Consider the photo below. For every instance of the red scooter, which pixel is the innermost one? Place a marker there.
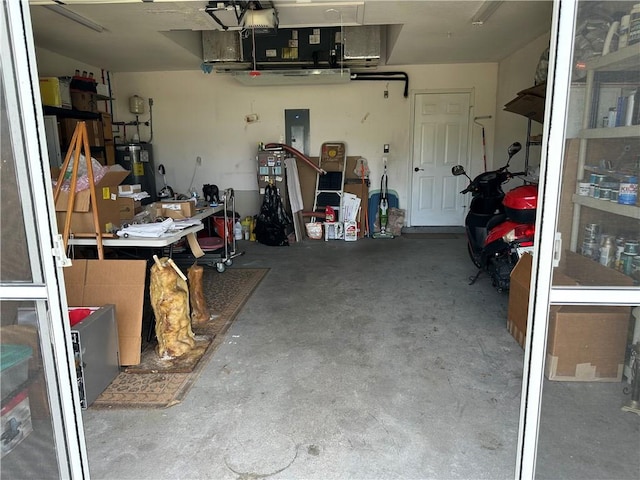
(499, 227)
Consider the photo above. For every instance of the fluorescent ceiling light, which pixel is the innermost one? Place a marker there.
(74, 17)
(266, 78)
(487, 9)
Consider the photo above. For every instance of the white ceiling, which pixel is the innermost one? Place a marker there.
(165, 35)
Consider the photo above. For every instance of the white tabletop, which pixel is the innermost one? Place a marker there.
(158, 242)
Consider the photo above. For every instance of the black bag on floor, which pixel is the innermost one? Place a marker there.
(273, 220)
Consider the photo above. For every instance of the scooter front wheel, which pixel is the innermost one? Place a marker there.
(474, 258)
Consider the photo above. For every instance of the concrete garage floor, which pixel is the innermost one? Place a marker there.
(366, 360)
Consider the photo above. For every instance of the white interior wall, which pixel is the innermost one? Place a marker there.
(197, 114)
(516, 73)
(51, 64)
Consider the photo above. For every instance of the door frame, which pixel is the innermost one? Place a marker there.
(46, 290)
(435, 91)
(542, 292)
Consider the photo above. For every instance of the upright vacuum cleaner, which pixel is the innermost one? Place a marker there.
(383, 206)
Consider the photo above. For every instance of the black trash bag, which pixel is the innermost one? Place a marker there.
(273, 220)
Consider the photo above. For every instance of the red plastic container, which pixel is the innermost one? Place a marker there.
(219, 227)
(520, 203)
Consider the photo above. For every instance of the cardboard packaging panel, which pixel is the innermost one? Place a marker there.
(353, 184)
(107, 204)
(584, 343)
(529, 103)
(95, 283)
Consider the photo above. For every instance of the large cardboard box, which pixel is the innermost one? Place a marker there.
(84, 101)
(94, 132)
(107, 204)
(95, 283)
(586, 343)
(583, 343)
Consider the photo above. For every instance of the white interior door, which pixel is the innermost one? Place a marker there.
(440, 139)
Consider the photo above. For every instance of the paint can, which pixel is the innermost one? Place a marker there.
(583, 189)
(631, 247)
(590, 250)
(591, 232)
(628, 194)
(635, 268)
(627, 263)
(634, 25)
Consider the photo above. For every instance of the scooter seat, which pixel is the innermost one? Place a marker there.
(497, 220)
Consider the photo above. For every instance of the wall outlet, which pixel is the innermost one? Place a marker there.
(251, 118)
(385, 149)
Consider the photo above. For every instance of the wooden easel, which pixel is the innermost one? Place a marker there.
(79, 141)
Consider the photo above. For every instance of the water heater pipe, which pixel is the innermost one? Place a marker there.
(298, 154)
(384, 76)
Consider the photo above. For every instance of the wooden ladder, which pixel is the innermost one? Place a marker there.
(79, 143)
(330, 186)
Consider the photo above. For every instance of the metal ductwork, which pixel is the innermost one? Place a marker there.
(303, 55)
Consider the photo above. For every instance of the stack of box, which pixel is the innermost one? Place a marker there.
(107, 206)
(583, 343)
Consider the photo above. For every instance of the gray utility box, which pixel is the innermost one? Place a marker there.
(95, 348)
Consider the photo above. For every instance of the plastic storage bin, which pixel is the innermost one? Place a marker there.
(14, 365)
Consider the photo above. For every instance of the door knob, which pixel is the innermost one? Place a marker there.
(418, 169)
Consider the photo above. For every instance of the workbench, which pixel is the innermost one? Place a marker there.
(165, 240)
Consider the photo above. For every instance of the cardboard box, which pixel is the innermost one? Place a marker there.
(94, 132)
(583, 343)
(129, 189)
(107, 204)
(15, 422)
(107, 129)
(176, 209)
(587, 344)
(129, 207)
(529, 103)
(54, 91)
(97, 283)
(84, 101)
(110, 153)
